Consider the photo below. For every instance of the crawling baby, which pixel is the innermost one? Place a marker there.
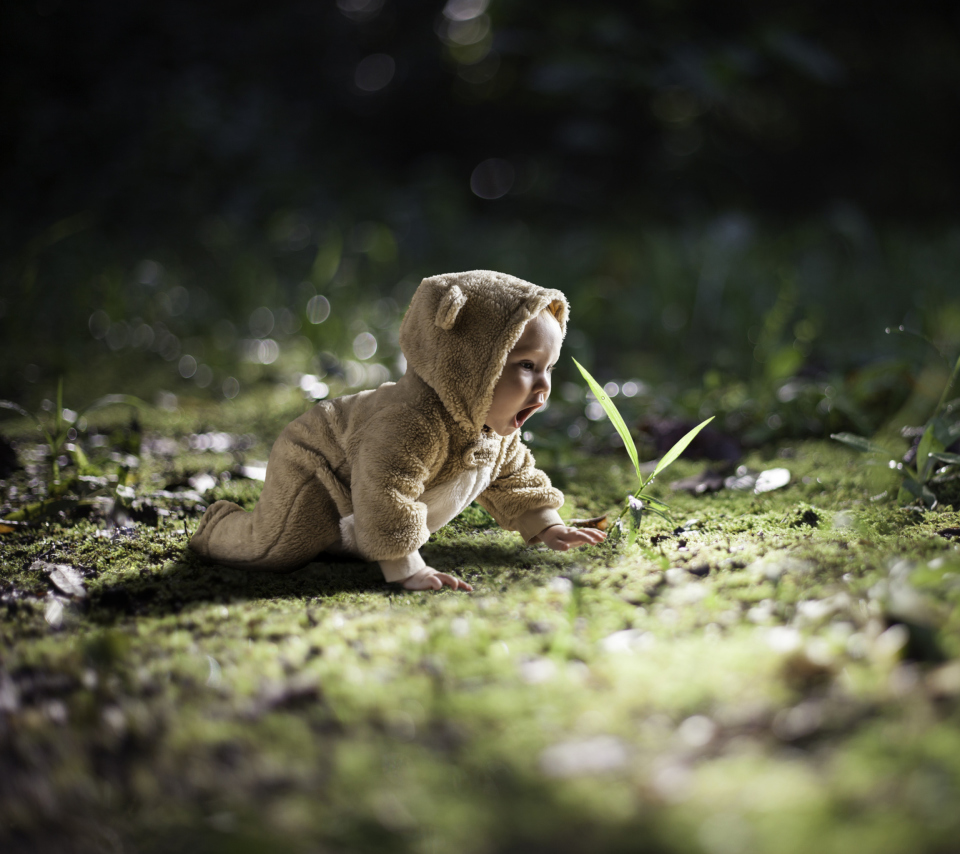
(373, 474)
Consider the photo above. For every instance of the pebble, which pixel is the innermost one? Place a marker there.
(783, 639)
(771, 479)
(627, 640)
(697, 731)
(537, 670)
(598, 755)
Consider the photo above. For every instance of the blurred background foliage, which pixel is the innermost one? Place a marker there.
(738, 198)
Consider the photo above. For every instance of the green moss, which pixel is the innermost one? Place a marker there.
(739, 680)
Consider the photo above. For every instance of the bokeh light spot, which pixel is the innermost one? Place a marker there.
(231, 388)
(187, 366)
(594, 410)
(149, 272)
(204, 376)
(469, 32)
(118, 336)
(374, 72)
(268, 351)
(464, 10)
(360, 10)
(143, 336)
(313, 387)
(364, 345)
(492, 178)
(261, 322)
(318, 309)
(98, 324)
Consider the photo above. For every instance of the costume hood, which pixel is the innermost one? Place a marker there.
(459, 329)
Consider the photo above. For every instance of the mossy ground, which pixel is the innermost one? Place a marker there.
(768, 673)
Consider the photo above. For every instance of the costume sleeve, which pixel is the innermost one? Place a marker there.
(397, 453)
(521, 497)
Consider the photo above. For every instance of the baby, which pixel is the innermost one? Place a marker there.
(373, 474)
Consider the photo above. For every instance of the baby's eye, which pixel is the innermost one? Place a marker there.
(528, 365)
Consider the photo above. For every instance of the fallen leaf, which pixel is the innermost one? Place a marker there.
(63, 577)
(599, 522)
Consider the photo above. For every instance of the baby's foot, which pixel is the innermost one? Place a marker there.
(429, 579)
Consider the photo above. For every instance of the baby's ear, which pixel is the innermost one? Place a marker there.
(448, 309)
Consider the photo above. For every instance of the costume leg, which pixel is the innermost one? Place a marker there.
(294, 520)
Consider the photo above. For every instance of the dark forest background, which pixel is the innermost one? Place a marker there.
(198, 193)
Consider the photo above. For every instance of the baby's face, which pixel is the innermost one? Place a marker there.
(524, 385)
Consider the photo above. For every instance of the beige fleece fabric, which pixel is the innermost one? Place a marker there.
(375, 453)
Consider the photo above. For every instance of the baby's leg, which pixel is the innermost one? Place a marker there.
(294, 520)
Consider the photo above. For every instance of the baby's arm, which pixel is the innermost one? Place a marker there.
(560, 537)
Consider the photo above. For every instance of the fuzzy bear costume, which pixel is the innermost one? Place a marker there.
(375, 473)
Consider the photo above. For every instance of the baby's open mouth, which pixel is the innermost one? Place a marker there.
(524, 414)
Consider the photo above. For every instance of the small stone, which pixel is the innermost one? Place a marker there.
(761, 613)
(944, 682)
(214, 675)
(9, 694)
(783, 639)
(653, 582)
(54, 613)
(892, 642)
(598, 755)
(688, 594)
(627, 640)
(802, 720)
(771, 479)
(773, 566)
(537, 670)
(201, 483)
(697, 731)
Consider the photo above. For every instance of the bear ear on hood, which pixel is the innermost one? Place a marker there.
(448, 309)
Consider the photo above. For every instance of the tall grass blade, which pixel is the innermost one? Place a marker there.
(679, 448)
(929, 444)
(941, 405)
(111, 400)
(862, 444)
(9, 404)
(614, 415)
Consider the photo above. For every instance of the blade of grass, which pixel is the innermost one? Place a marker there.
(929, 444)
(111, 400)
(947, 388)
(678, 448)
(862, 444)
(614, 415)
(9, 404)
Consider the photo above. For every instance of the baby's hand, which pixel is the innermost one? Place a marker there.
(429, 579)
(560, 537)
